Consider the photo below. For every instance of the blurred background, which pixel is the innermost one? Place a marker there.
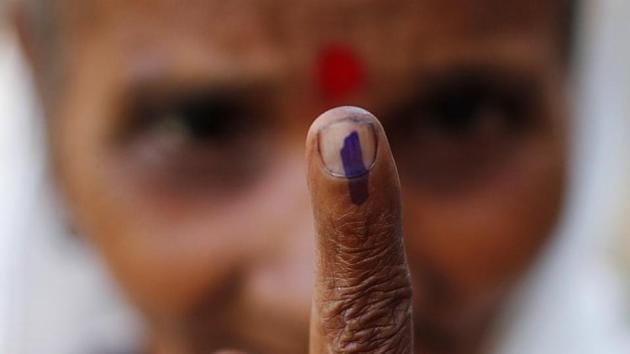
(577, 299)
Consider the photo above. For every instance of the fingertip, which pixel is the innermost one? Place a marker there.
(344, 141)
(340, 113)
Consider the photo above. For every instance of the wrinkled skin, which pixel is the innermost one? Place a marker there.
(209, 229)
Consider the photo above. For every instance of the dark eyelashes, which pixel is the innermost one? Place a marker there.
(455, 131)
(205, 115)
(209, 117)
(450, 104)
(197, 138)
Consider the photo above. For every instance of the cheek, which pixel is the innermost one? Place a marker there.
(483, 239)
(172, 251)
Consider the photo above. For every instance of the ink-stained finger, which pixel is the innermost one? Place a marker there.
(362, 299)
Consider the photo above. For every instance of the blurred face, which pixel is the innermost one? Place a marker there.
(178, 131)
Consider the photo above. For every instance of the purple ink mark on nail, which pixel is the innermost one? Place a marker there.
(352, 158)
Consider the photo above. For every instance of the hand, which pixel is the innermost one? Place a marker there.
(362, 293)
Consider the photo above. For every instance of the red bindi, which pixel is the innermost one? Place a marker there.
(339, 72)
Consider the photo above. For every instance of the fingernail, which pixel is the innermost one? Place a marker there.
(348, 147)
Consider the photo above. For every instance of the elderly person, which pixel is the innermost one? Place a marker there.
(176, 133)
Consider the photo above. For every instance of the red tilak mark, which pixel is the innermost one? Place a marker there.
(339, 72)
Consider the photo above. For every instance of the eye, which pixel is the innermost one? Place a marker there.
(462, 127)
(216, 120)
(204, 137)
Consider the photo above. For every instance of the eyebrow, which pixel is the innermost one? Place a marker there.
(522, 83)
(144, 79)
(503, 53)
(160, 89)
(495, 73)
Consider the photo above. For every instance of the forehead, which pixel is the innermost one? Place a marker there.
(271, 40)
(405, 30)
(467, 18)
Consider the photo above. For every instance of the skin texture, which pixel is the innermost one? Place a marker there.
(208, 226)
(362, 298)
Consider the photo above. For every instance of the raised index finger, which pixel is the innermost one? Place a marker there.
(362, 300)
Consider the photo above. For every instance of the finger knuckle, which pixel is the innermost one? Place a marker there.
(364, 235)
(369, 313)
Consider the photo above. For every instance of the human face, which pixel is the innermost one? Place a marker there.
(177, 137)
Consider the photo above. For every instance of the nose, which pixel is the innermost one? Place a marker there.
(275, 296)
(279, 282)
